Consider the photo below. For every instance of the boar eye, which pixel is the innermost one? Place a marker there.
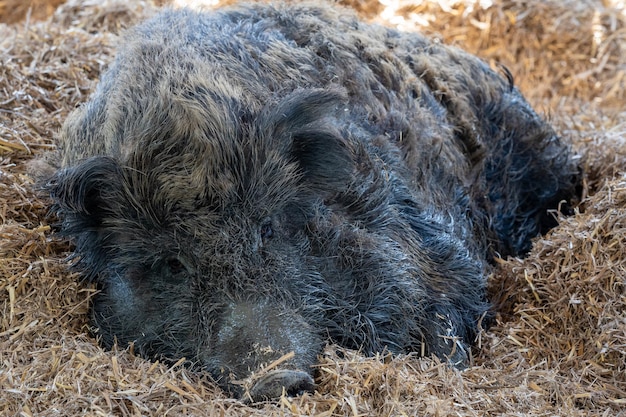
(266, 231)
(175, 266)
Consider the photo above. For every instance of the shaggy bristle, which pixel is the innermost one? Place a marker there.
(558, 344)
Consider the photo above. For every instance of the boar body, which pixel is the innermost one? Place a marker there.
(255, 181)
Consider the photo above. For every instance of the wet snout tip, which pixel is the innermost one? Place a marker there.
(272, 385)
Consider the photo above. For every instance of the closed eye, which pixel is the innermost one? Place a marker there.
(170, 270)
(266, 231)
(175, 266)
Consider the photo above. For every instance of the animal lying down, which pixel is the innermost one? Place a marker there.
(255, 181)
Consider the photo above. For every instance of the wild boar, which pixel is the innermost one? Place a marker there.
(254, 181)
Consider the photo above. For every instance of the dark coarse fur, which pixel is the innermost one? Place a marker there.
(250, 182)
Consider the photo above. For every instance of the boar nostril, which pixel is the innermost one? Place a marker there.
(271, 385)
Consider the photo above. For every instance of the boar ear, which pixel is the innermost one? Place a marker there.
(81, 193)
(323, 156)
(307, 119)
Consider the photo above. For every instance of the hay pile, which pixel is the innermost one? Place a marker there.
(559, 344)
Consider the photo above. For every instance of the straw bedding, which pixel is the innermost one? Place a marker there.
(558, 346)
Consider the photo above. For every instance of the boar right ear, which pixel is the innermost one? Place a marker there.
(81, 193)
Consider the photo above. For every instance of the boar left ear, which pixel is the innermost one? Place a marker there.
(323, 156)
(81, 193)
(307, 121)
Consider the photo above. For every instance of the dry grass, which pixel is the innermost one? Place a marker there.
(559, 344)
(12, 11)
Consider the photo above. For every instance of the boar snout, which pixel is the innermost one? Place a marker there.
(255, 335)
